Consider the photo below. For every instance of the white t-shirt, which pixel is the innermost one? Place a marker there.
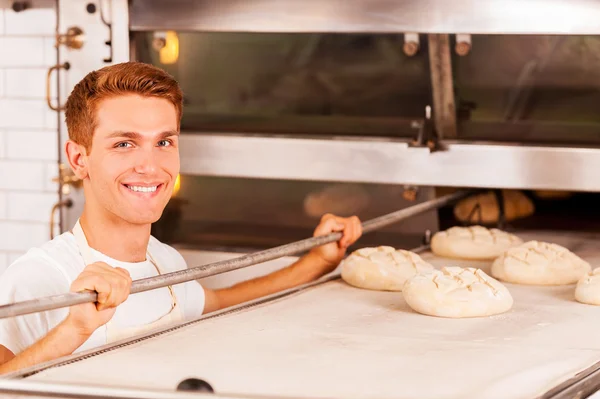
(50, 270)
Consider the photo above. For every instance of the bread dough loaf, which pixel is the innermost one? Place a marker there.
(474, 242)
(456, 292)
(588, 288)
(539, 263)
(382, 268)
(516, 206)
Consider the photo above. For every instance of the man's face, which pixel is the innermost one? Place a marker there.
(134, 159)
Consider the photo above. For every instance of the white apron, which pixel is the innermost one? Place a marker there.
(113, 332)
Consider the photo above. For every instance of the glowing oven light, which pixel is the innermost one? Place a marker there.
(176, 186)
(169, 54)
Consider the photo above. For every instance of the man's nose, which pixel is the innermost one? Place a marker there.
(146, 161)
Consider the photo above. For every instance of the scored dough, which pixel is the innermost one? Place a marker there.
(588, 288)
(474, 242)
(382, 268)
(516, 206)
(456, 292)
(539, 263)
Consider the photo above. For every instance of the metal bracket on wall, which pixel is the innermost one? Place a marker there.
(110, 34)
(444, 108)
(66, 66)
(66, 203)
(73, 39)
(18, 6)
(67, 179)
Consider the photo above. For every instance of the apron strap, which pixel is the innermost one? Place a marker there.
(82, 243)
(86, 252)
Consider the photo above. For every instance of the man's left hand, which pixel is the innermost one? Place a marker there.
(320, 260)
(333, 253)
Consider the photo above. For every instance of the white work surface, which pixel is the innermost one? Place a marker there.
(334, 340)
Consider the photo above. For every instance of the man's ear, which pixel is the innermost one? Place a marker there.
(77, 158)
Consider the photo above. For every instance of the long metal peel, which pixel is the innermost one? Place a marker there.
(211, 269)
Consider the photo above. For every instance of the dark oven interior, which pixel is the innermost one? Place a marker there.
(540, 89)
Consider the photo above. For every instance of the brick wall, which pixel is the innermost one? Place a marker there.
(28, 129)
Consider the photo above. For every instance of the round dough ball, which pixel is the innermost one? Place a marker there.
(588, 288)
(382, 268)
(539, 263)
(456, 292)
(474, 242)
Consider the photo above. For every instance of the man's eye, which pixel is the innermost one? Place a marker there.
(164, 143)
(122, 145)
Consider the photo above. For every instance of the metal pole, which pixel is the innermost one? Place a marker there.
(211, 269)
(46, 390)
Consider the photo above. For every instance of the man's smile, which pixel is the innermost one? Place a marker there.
(144, 190)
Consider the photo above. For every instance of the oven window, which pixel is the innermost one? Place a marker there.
(529, 88)
(346, 84)
(252, 214)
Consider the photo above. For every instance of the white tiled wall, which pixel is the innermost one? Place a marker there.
(28, 129)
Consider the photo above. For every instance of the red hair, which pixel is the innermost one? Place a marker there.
(126, 78)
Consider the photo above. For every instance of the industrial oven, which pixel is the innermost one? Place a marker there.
(297, 108)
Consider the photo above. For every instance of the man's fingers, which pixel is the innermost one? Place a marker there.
(113, 285)
(102, 303)
(329, 225)
(351, 228)
(357, 228)
(99, 267)
(120, 287)
(124, 273)
(94, 282)
(349, 233)
(326, 217)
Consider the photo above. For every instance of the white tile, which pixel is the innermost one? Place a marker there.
(20, 236)
(4, 262)
(1, 19)
(28, 83)
(2, 80)
(51, 119)
(22, 52)
(22, 113)
(19, 145)
(49, 51)
(51, 172)
(3, 204)
(35, 21)
(22, 175)
(30, 207)
(2, 144)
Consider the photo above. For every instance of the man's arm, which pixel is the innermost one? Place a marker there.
(63, 340)
(5, 356)
(113, 286)
(318, 262)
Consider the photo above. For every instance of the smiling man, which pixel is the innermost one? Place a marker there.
(123, 124)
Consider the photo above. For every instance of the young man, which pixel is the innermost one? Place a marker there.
(123, 124)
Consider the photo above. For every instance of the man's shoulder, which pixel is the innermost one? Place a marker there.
(57, 255)
(42, 271)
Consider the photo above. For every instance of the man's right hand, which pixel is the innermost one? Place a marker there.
(113, 285)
